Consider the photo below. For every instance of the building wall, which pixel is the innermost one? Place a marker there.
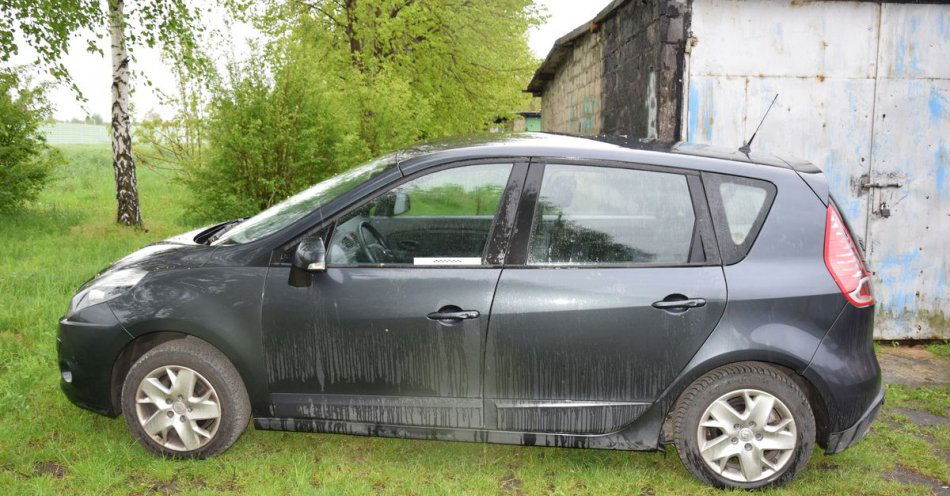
(864, 92)
(643, 69)
(572, 100)
(624, 77)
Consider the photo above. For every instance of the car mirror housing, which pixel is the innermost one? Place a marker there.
(309, 257)
(401, 204)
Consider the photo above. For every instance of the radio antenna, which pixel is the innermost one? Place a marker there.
(746, 148)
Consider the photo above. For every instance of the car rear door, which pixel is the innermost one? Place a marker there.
(612, 284)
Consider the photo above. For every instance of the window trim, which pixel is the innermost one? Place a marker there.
(495, 246)
(523, 233)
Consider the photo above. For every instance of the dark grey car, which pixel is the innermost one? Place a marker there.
(530, 289)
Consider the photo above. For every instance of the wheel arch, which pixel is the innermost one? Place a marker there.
(787, 365)
(145, 342)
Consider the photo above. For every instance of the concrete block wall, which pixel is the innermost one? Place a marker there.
(624, 76)
(643, 69)
(573, 100)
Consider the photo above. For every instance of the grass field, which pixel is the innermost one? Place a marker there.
(48, 446)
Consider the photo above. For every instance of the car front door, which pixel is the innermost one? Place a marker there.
(393, 332)
(612, 285)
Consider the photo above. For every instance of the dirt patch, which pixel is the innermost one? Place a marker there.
(511, 485)
(827, 466)
(905, 475)
(923, 419)
(913, 366)
(164, 488)
(52, 469)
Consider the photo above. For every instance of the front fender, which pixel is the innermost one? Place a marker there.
(220, 305)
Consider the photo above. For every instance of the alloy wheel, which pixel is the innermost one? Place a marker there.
(178, 408)
(747, 435)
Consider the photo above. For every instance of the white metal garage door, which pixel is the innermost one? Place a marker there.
(864, 92)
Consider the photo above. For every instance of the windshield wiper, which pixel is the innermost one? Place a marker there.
(219, 231)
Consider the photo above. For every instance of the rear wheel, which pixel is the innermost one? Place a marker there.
(184, 399)
(745, 425)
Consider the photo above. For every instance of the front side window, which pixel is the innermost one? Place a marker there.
(292, 209)
(443, 218)
(602, 215)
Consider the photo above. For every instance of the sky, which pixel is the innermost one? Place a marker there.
(93, 73)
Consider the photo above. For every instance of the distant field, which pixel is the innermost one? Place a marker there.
(74, 133)
(48, 446)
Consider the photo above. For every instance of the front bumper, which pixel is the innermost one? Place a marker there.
(839, 441)
(87, 346)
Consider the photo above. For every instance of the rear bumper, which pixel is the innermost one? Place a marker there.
(839, 441)
(847, 376)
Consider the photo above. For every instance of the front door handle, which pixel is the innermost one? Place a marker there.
(459, 315)
(684, 304)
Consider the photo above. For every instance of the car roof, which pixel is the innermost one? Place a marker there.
(563, 145)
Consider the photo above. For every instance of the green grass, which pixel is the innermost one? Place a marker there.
(940, 349)
(48, 446)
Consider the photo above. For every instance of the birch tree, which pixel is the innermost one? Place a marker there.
(126, 189)
(49, 26)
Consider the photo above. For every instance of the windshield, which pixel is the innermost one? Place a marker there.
(292, 209)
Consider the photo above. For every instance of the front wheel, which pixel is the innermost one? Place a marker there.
(184, 399)
(745, 425)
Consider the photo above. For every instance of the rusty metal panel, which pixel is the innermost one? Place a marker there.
(864, 93)
(910, 213)
(909, 224)
(784, 38)
(826, 122)
(915, 41)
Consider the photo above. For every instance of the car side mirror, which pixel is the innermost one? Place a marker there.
(310, 257)
(401, 205)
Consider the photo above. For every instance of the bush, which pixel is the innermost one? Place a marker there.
(324, 96)
(25, 159)
(265, 140)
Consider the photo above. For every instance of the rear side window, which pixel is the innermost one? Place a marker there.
(739, 208)
(590, 215)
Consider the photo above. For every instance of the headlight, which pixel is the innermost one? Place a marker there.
(105, 288)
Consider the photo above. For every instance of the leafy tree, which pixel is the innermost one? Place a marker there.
(345, 80)
(265, 137)
(25, 160)
(178, 143)
(417, 69)
(48, 26)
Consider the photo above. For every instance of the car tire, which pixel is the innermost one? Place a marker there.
(730, 454)
(184, 399)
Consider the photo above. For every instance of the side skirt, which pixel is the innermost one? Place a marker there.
(615, 441)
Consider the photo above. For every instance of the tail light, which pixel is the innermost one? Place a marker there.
(844, 261)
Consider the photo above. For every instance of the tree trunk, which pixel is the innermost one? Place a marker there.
(126, 190)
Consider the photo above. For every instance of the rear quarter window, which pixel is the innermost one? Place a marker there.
(739, 207)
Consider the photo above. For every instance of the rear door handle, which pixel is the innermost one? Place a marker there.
(684, 304)
(459, 315)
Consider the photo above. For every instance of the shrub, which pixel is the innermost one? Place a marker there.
(25, 159)
(267, 139)
(324, 96)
